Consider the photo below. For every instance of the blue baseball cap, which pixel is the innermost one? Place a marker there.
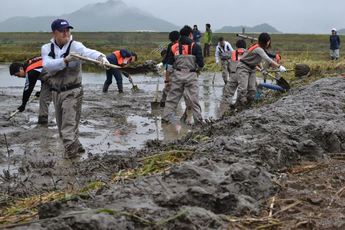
(60, 24)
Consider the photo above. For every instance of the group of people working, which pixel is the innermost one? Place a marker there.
(60, 73)
(183, 60)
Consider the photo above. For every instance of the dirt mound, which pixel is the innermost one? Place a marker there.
(231, 170)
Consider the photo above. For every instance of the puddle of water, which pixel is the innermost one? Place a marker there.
(136, 129)
(131, 134)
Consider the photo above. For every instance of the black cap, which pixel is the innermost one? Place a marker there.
(60, 24)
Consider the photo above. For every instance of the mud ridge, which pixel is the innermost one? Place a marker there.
(232, 172)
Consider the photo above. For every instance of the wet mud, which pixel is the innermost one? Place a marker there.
(231, 168)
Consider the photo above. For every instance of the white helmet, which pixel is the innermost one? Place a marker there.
(334, 29)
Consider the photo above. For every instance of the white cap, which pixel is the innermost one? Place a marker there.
(334, 29)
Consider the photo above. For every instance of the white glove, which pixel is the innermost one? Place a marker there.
(70, 58)
(104, 61)
(282, 69)
(159, 67)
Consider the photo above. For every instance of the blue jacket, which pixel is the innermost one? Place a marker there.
(334, 41)
(112, 58)
(196, 35)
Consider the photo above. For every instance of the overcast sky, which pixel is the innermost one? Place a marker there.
(289, 16)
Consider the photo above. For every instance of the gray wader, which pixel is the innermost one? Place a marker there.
(225, 70)
(184, 82)
(44, 100)
(67, 95)
(231, 86)
(245, 79)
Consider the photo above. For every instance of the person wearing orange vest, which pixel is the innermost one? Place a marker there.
(245, 70)
(118, 57)
(184, 60)
(32, 71)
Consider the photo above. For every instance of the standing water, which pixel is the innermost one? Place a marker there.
(110, 123)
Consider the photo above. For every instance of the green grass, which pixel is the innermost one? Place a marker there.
(309, 49)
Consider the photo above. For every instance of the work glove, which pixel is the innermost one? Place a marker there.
(104, 61)
(282, 69)
(70, 58)
(37, 94)
(21, 108)
(159, 66)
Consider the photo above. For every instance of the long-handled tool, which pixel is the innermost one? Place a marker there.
(214, 76)
(134, 87)
(13, 114)
(246, 37)
(155, 104)
(277, 70)
(17, 110)
(280, 80)
(94, 61)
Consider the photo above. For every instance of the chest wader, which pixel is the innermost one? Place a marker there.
(184, 81)
(225, 56)
(67, 95)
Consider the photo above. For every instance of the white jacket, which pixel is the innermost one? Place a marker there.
(57, 64)
(226, 51)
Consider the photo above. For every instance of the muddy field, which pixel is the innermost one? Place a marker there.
(275, 166)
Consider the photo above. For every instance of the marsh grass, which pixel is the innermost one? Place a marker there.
(294, 48)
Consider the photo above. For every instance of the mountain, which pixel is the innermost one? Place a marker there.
(113, 15)
(255, 29)
(341, 32)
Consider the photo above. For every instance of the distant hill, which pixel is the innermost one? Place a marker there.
(341, 32)
(113, 15)
(255, 29)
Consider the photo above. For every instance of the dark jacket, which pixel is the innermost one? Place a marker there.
(31, 78)
(196, 51)
(165, 59)
(196, 35)
(112, 58)
(334, 41)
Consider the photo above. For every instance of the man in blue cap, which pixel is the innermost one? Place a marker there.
(65, 81)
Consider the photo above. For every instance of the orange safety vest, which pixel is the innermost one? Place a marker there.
(34, 63)
(121, 60)
(253, 47)
(237, 54)
(179, 49)
(278, 58)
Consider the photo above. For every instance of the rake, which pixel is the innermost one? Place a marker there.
(112, 66)
(14, 113)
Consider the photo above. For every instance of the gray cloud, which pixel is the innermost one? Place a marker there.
(293, 16)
